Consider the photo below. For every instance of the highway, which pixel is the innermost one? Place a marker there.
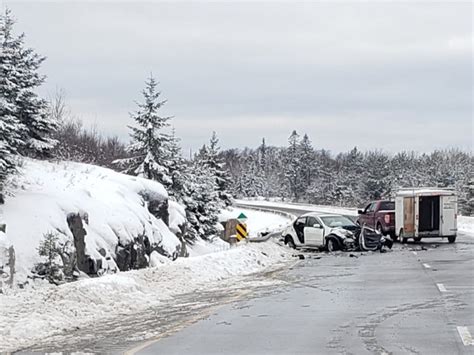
(417, 299)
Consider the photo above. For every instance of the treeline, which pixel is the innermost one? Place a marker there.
(300, 172)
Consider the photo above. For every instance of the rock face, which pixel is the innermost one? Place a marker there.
(157, 206)
(83, 262)
(128, 255)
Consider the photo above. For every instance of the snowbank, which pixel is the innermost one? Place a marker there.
(28, 316)
(45, 193)
(257, 222)
(466, 225)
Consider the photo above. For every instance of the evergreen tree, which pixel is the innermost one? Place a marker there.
(202, 202)
(209, 157)
(292, 170)
(149, 150)
(263, 158)
(306, 152)
(21, 107)
(176, 168)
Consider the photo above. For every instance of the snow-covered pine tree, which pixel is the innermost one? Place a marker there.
(376, 179)
(177, 168)
(307, 168)
(18, 82)
(251, 182)
(11, 129)
(262, 157)
(202, 202)
(209, 156)
(150, 157)
(292, 170)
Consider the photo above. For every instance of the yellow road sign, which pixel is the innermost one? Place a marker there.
(241, 230)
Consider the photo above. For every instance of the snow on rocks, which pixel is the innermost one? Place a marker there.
(30, 315)
(116, 206)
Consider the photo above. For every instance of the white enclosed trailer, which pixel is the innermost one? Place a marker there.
(426, 213)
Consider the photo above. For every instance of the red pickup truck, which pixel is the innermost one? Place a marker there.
(379, 215)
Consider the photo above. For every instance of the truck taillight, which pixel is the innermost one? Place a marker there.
(387, 218)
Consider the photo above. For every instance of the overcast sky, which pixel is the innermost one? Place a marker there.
(392, 76)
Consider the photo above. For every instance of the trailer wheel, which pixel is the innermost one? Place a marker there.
(452, 239)
(402, 237)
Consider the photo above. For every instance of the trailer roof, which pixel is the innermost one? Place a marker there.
(425, 191)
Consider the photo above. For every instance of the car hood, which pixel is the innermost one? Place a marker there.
(342, 232)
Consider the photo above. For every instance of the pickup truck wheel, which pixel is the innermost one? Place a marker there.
(417, 239)
(452, 239)
(379, 228)
(332, 244)
(289, 241)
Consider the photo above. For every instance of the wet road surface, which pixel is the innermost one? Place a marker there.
(336, 304)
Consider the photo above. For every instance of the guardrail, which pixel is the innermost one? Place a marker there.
(265, 209)
(268, 210)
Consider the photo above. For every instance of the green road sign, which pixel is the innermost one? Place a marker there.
(242, 217)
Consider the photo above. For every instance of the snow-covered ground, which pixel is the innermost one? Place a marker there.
(45, 193)
(257, 222)
(27, 316)
(466, 225)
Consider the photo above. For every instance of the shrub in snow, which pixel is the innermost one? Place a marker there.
(52, 268)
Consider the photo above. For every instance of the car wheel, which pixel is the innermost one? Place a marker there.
(417, 239)
(452, 239)
(332, 245)
(289, 241)
(402, 237)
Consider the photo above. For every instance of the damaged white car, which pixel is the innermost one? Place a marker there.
(329, 231)
(333, 232)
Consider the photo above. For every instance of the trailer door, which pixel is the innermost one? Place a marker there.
(409, 216)
(448, 215)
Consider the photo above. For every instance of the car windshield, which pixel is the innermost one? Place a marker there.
(337, 221)
(387, 206)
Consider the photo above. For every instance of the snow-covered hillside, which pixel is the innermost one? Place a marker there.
(114, 205)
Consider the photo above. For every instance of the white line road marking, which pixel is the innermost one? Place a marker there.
(415, 253)
(462, 287)
(441, 288)
(465, 336)
(427, 266)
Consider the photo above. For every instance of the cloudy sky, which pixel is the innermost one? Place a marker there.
(387, 75)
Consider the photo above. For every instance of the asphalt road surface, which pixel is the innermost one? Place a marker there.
(416, 299)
